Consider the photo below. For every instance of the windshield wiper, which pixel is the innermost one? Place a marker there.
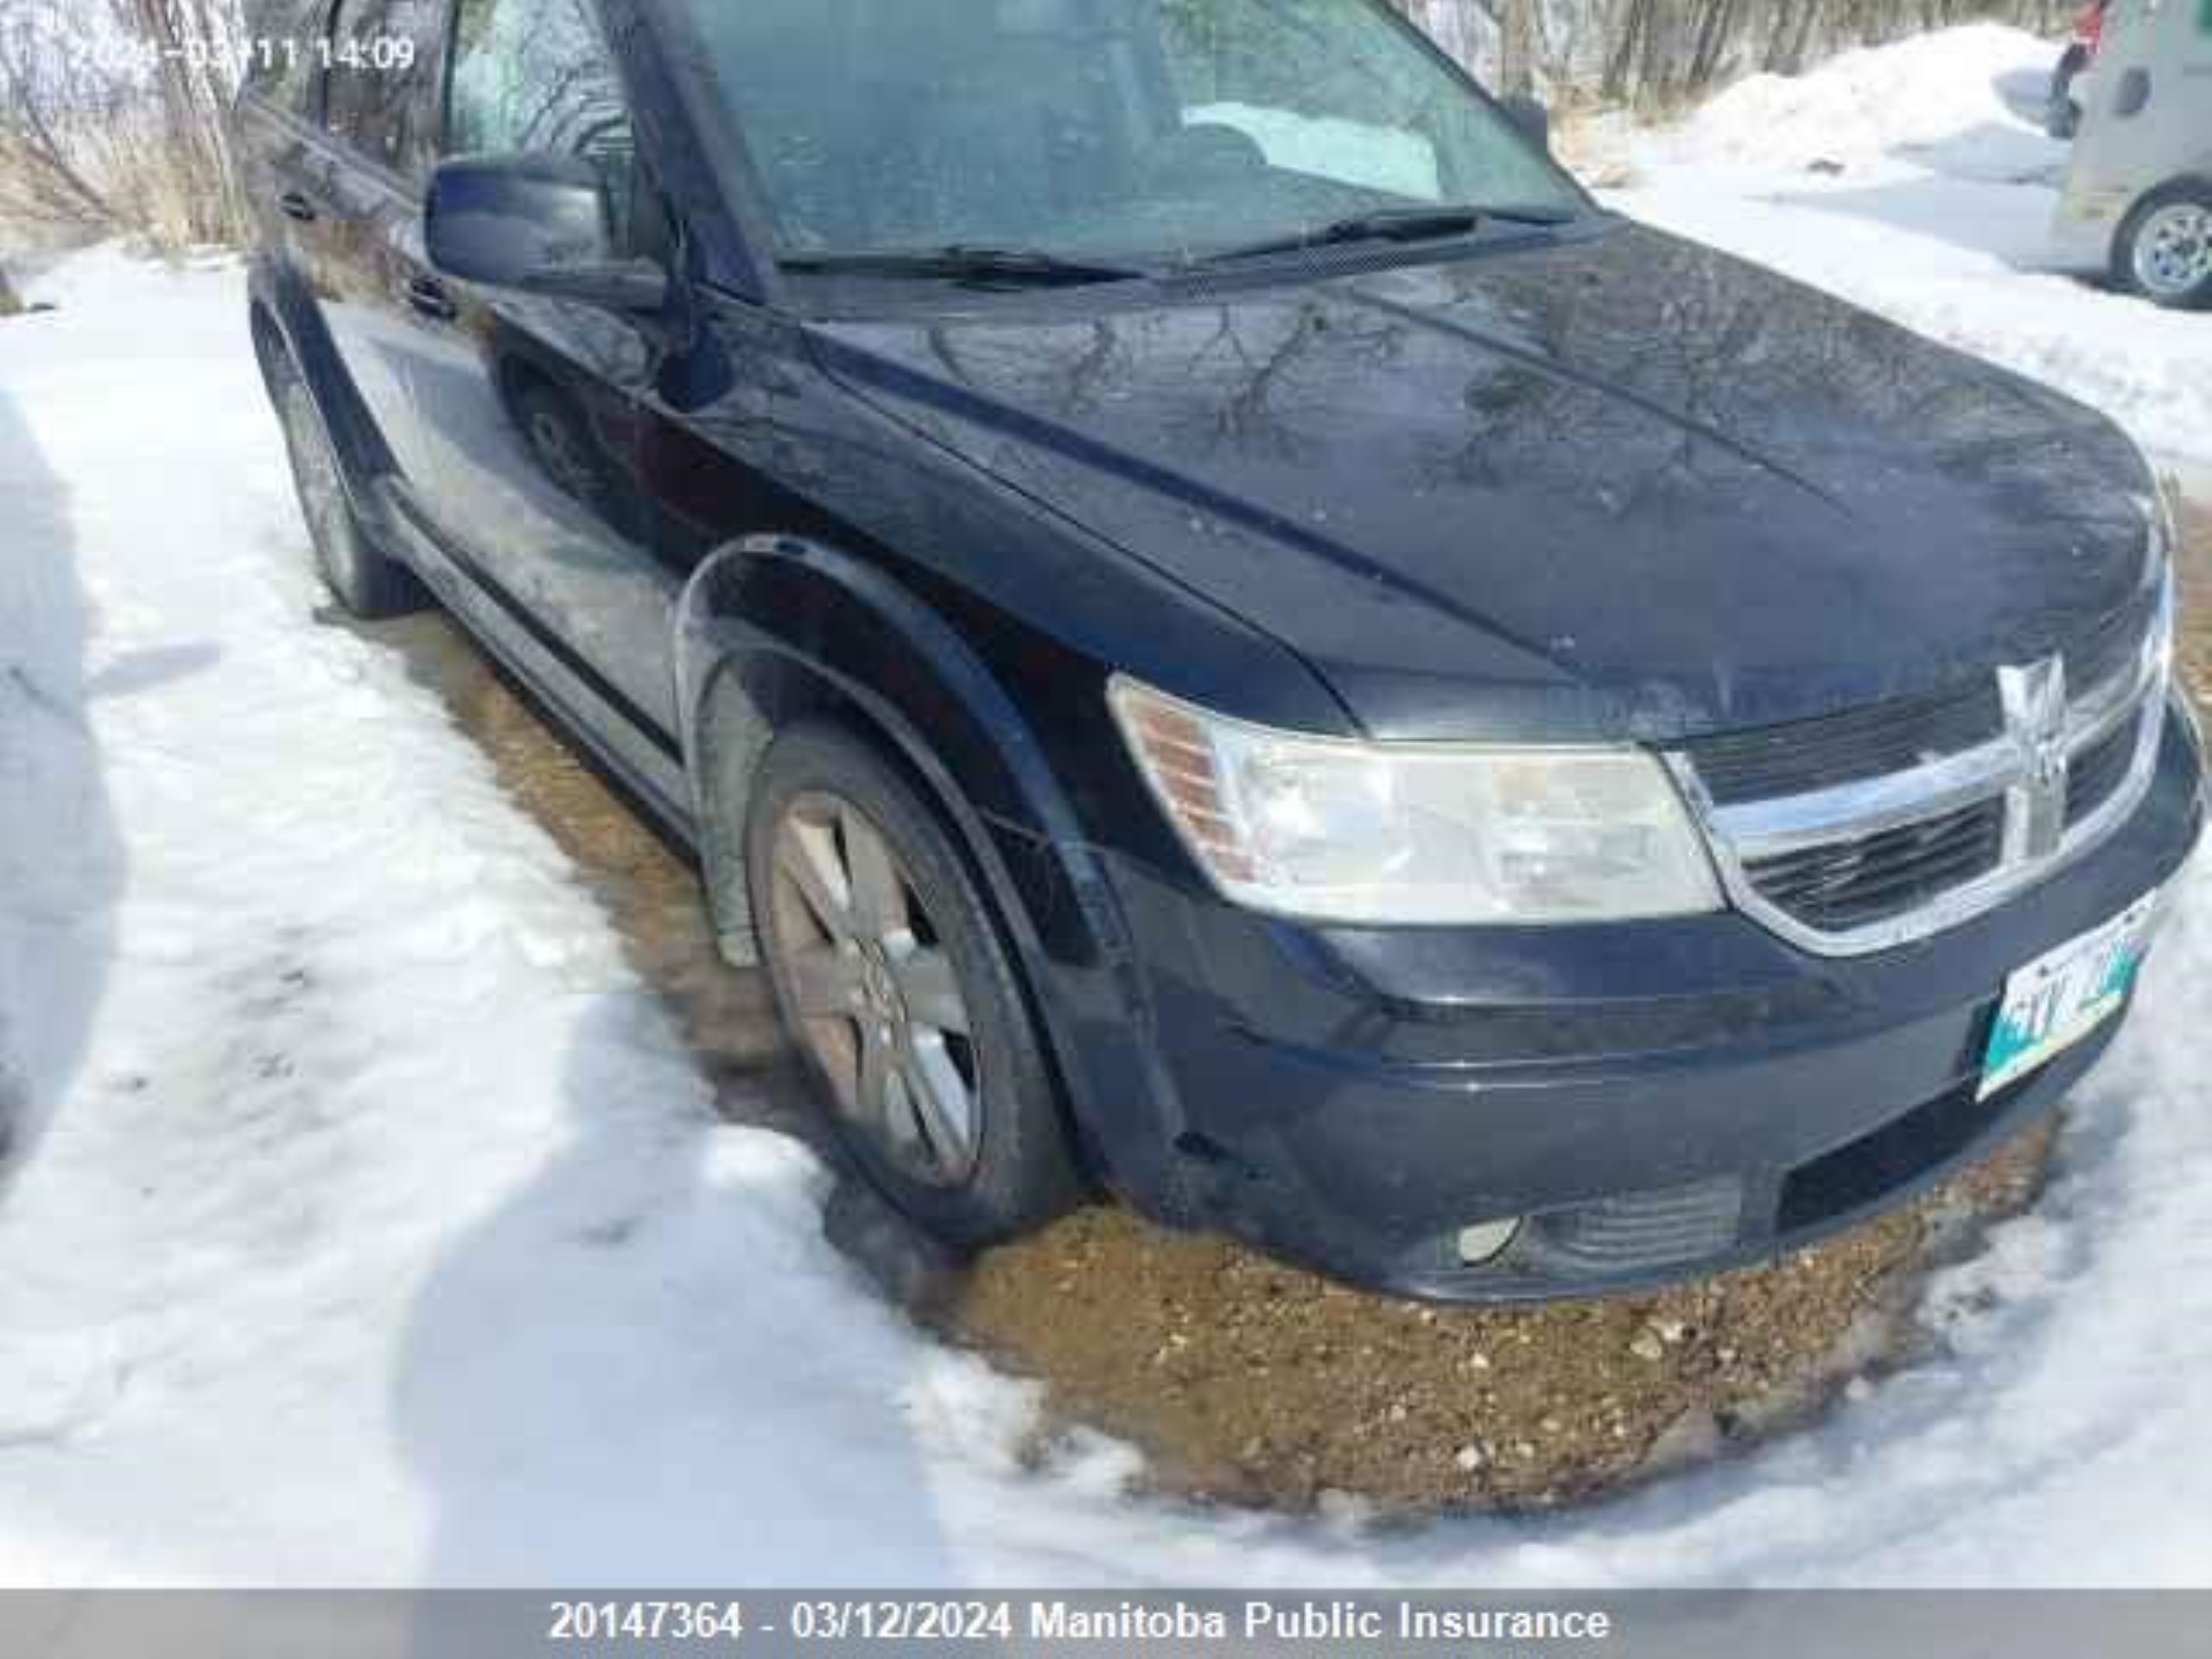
(962, 263)
(1395, 224)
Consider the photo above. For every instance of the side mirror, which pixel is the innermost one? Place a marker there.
(541, 223)
(1534, 120)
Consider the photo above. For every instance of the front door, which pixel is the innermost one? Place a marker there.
(356, 208)
(528, 404)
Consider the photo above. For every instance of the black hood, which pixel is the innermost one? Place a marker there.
(1613, 485)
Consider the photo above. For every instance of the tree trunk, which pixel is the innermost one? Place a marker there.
(1719, 29)
(1620, 63)
(181, 36)
(11, 306)
(1516, 76)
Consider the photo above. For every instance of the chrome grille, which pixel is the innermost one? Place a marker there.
(2113, 651)
(1842, 885)
(1847, 748)
(2098, 773)
(1851, 858)
(1900, 734)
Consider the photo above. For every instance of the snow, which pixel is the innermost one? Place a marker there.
(1939, 94)
(371, 1224)
(1915, 179)
(1350, 152)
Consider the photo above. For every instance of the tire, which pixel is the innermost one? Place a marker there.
(363, 580)
(2164, 253)
(898, 988)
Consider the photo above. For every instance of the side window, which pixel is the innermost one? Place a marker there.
(379, 63)
(537, 75)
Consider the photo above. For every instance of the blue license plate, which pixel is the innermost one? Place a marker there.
(2059, 999)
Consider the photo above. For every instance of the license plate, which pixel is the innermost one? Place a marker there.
(2057, 1000)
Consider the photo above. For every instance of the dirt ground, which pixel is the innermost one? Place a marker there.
(1250, 1382)
(1253, 1383)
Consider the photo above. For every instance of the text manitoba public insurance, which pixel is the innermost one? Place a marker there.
(1323, 1621)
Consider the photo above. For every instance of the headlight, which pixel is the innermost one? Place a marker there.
(1328, 829)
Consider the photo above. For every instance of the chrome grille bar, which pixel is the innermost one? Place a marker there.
(2028, 769)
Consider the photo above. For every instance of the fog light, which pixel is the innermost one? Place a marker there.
(1481, 1245)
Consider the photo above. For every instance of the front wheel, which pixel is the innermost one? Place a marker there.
(2164, 250)
(895, 980)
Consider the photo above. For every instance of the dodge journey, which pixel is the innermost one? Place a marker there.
(1221, 630)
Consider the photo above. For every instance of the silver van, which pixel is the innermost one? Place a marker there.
(2139, 197)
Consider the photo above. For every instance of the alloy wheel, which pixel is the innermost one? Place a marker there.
(2173, 250)
(875, 991)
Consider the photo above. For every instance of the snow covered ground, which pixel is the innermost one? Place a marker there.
(370, 1223)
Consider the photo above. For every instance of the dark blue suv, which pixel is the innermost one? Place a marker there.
(1221, 630)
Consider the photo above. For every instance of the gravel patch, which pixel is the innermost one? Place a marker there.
(1248, 1383)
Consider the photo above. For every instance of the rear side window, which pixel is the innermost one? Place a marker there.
(380, 65)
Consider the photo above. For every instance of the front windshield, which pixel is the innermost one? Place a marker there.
(1101, 128)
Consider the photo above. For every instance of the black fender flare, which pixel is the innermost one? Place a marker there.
(774, 629)
(283, 343)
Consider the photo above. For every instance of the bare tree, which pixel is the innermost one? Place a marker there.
(188, 45)
(112, 115)
(53, 116)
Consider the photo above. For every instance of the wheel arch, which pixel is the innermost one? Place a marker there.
(775, 629)
(287, 338)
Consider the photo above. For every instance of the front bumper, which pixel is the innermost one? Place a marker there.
(1657, 1100)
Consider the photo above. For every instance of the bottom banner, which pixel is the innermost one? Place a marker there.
(1895, 1624)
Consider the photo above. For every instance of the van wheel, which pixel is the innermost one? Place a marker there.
(894, 978)
(2164, 250)
(363, 580)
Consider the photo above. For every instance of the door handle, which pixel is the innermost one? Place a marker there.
(428, 298)
(293, 205)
